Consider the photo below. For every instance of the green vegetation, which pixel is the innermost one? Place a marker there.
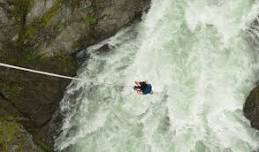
(90, 20)
(21, 9)
(41, 22)
(27, 32)
(20, 12)
(9, 132)
(12, 134)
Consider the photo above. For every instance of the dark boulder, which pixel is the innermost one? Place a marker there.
(251, 108)
(104, 49)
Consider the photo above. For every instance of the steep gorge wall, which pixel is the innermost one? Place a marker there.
(43, 35)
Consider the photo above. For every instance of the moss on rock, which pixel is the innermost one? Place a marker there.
(13, 137)
(90, 20)
(20, 9)
(41, 22)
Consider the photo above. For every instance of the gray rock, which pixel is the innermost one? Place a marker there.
(64, 41)
(39, 8)
(90, 23)
(114, 14)
(3, 17)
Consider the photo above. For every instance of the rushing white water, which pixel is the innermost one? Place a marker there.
(196, 55)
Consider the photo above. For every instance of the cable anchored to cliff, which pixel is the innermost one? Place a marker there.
(38, 72)
(55, 75)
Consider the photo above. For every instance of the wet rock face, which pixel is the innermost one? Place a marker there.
(52, 26)
(251, 108)
(33, 98)
(113, 14)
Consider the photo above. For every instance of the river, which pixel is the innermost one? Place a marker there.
(200, 60)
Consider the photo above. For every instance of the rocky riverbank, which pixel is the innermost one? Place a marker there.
(44, 35)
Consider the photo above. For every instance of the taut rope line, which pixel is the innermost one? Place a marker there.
(38, 72)
(55, 75)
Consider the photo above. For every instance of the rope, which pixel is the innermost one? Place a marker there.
(39, 72)
(56, 75)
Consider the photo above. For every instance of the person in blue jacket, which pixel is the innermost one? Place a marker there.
(143, 87)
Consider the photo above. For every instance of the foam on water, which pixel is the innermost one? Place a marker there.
(196, 55)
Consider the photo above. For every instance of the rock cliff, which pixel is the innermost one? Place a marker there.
(43, 35)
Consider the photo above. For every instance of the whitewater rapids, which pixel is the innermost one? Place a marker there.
(197, 55)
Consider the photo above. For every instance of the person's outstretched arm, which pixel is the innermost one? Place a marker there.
(137, 83)
(139, 92)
